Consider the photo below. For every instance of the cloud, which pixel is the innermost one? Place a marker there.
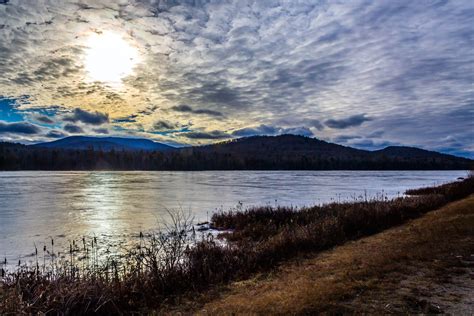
(376, 134)
(43, 119)
(101, 130)
(271, 130)
(19, 128)
(208, 112)
(74, 129)
(369, 144)
(257, 130)
(342, 139)
(219, 93)
(249, 131)
(351, 121)
(55, 134)
(205, 135)
(301, 131)
(92, 118)
(274, 63)
(164, 126)
(126, 119)
(315, 123)
(187, 109)
(182, 108)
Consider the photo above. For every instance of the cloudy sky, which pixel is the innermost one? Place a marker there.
(366, 74)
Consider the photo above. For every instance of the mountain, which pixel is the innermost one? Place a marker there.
(284, 152)
(104, 144)
(282, 144)
(299, 152)
(409, 152)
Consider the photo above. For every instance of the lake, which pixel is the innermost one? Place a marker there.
(38, 206)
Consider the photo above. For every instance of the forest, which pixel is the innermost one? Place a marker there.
(254, 153)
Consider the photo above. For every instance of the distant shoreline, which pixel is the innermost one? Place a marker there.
(284, 152)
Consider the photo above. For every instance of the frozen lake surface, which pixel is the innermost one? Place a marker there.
(38, 206)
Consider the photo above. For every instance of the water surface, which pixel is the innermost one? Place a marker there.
(37, 206)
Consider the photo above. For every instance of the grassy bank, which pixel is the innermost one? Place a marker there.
(421, 267)
(163, 267)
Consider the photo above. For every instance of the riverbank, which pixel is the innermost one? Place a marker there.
(162, 270)
(424, 266)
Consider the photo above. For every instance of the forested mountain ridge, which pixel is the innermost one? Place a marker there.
(278, 144)
(104, 143)
(285, 152)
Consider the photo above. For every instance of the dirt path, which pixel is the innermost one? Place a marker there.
(426, 265)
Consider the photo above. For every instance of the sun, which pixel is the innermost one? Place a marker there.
(109, 58)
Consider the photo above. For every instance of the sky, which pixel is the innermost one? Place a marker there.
(366, 74)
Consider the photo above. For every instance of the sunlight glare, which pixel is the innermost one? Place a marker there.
(109, 58)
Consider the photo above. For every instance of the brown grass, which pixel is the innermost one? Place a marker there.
(413, 268)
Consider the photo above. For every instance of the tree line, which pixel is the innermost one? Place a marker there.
(21, 157)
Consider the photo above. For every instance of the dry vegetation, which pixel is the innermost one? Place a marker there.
(164, 267)
(424, 267)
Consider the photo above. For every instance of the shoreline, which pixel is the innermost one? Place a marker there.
(423, 266)
(162, 269)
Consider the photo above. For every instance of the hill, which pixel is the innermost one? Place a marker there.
(104, 143)
(299, 152)
(413, 152)
(271, 145)
(284, 152)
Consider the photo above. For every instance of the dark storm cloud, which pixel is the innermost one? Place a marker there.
(55, 134)
(206, 135)
(19, 128)
(43, 119)
(208, 112)
(74, 129)
(182, 108)
(308, 72)
(163, 125)
(85, 117)
(315, 123)
(342, 139)
(126, 119)
(187, 109)
(101, 130)
(351, 121)
(258, 130)
(218, 93)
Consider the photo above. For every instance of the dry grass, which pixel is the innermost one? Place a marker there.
(413, 268)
